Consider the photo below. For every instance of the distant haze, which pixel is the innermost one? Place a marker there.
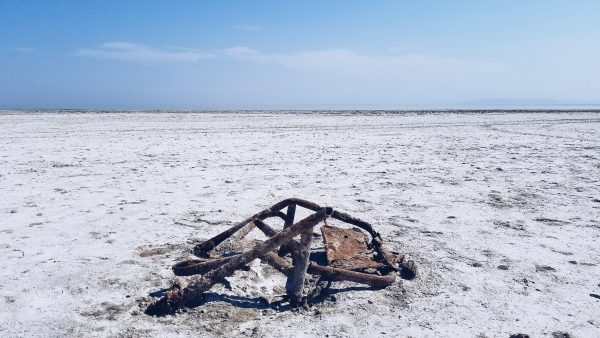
(299, 55)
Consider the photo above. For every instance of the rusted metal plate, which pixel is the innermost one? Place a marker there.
(348, 248)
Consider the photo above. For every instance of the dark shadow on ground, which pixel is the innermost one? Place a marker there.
(261, 303)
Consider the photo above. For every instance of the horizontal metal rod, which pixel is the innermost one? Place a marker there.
(332, 274)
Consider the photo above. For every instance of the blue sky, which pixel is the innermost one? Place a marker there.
(297, 54)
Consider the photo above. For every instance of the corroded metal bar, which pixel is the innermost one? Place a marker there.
(202, 249)
(265, 228)
(194, 290)
(295, 282)
(387, 257)
(336, 274)
(357, 222)
(291, 213)
(333, 274)
(336, 214)
(291, 246)
(198, 266)
(278, 263)
(303, 203)
(232, 243)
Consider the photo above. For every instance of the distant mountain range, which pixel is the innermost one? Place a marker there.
(529, 103)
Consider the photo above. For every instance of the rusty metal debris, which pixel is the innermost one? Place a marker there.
(348, 249)
(351, 256)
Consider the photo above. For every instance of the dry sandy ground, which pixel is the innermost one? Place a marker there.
(501, 211)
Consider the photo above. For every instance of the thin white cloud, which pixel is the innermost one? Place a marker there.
(23, 49)
(401, 76)
(346, 61)
(140, 53)
(247, 28)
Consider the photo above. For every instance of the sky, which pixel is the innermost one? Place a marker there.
(333, 54)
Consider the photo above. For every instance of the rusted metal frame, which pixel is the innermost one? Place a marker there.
(341, 216)
(202, 249)
(336, 214)
(377, 243)
(194, 290)
(198, 266)
(201, 266)
(293, 246)
(328, 273)
(283, 266)
(192, 267)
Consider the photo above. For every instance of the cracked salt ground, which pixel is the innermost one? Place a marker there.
(71, 241)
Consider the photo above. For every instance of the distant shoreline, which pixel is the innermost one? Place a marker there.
(299, 111)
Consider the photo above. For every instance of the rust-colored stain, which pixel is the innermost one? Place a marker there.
(348, 248)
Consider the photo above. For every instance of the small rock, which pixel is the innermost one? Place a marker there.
(503, 267)
(544, 268)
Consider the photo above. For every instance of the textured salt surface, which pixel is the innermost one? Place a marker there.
(501, 211)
